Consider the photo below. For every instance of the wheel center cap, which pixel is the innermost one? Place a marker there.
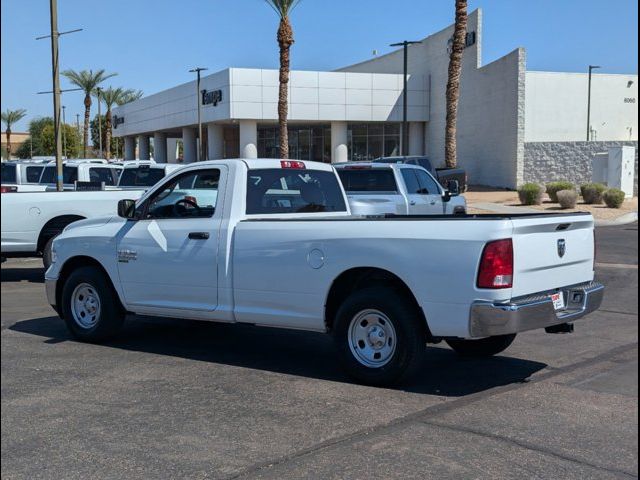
(376, 337)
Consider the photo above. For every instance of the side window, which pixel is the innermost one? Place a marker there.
(411, 181)
(191, 195)
(48, 175)
(427, 184)
(102, 174)
(9, 173)
(33, 174)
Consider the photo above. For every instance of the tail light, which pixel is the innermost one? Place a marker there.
(7, 189)
(292, 164)
(496, 265)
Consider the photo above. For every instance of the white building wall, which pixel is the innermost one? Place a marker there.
(556, 107)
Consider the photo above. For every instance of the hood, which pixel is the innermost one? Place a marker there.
(90, 222)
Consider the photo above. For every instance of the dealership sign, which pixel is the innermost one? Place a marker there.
(211, 97)
(469, 40)
(117, 121)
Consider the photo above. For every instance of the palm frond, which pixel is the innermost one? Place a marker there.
(283, 7)
(87, 80)
(9, 117)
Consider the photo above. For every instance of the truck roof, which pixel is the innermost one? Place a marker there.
(261, 163)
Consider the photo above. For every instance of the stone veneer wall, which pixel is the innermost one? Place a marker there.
(551, 161)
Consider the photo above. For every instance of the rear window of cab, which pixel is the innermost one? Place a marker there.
(278, 190)
(368, 180)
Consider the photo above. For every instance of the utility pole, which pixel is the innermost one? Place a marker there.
(405, 123)
(55, 66)
(197, 71)
(591, 69)
(64, 137)
(99, 90)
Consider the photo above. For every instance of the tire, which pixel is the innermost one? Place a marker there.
(46, 253)
(485, 347)
(88, 290)
(399, 350)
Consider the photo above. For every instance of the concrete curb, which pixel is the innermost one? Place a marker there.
(625, 219)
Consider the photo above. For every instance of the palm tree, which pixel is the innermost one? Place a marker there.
(111, 96)
(285, 40)
(9, 117)
(453, 83)
(130, 96)
(87, 80)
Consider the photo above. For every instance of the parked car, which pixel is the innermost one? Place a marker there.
(83, 170)
(397, 189)
(445, 176)
(144, 174)
(22, 172)
(272, 243)
(30, 221)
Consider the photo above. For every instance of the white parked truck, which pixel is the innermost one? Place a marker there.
(30, 220)
(397, 189)
(272, 243)
(82, 170)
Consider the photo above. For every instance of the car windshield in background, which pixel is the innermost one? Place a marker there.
(368, 180)
(141, 177)
(293, 191)
(69, 175)
(8, 173)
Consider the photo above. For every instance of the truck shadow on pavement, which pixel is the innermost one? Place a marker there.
(28, 274)
(289, 352)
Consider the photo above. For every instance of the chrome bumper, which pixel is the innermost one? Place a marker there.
(536, 311)
(50, 288)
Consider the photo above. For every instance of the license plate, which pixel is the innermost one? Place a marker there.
(558, 300)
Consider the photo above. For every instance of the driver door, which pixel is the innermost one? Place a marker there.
(167, 259)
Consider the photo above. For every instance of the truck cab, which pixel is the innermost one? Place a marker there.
(89, 170)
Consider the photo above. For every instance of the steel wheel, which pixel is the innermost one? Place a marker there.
(85, 305)
(372, 338)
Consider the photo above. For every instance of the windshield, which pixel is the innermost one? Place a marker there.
(140, 177)
(8, 173)
(293, 191)
(368, 180)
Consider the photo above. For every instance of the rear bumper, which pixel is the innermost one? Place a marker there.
(537, 311)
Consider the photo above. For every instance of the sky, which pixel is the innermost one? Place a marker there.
(152, 44)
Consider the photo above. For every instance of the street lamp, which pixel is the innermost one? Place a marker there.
(405, 129)
(197, 71)
(99, 91)
(591, 69)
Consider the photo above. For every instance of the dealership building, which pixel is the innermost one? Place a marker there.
(514, 125)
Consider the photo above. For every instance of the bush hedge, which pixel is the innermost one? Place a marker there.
(554, 187)
(567, 198)
(530, 194)
(592, 193)
(614, 198)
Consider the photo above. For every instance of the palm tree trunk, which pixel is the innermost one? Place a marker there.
(87, 118)
(285, 40)
(8, 132)
(107, 134)
(453, 83)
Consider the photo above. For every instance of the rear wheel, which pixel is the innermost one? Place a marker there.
(484, 347)
(379, 336)
(90, 306)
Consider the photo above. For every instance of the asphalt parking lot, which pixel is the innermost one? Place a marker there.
(171, 399)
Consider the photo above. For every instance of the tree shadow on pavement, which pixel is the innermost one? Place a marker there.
(29, 274)
(290, 352)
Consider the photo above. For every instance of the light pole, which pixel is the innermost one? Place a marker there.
(64, 138)
(99, 91)
(405, 123)
(591, 69)
(197, 71)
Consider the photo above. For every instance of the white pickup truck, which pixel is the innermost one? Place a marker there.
(83, 170)
(397, 189)
(272, 243)
(30, 220)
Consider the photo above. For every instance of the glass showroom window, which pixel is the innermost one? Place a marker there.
(367, 141)
(306, 142)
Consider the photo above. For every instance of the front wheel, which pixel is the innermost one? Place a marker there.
(379, 336)
(47, 254)
(90, 307)
(484, 347)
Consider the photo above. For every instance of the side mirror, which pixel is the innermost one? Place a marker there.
(127, 209)
(453, 186)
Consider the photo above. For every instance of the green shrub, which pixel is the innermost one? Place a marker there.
(592, 193)
(555, 187)
(530, 194)
(614, 198)
(567, 198)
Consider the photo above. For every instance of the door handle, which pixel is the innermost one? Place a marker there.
(199, 236)
(412, 202)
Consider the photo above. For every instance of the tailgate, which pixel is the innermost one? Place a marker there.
(552, 252)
